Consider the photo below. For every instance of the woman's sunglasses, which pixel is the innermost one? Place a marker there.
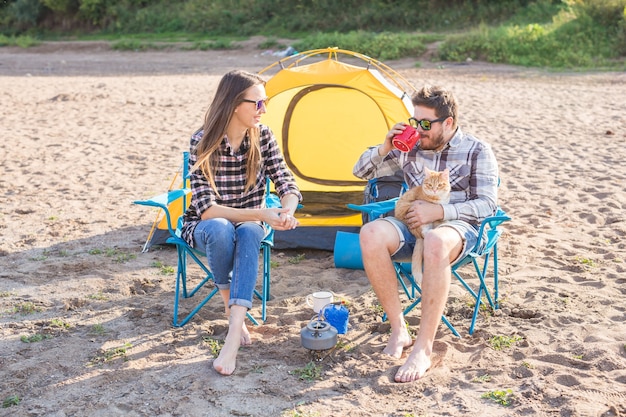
(424, 124)
(258, 103)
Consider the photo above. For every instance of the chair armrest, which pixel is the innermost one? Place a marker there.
(376, 209)
(162, 201)
(489, 226)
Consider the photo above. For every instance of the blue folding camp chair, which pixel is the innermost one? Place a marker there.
(184, 251)
(489, 230)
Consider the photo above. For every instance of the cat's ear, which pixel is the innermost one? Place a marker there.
(446, 173)
(427, 171)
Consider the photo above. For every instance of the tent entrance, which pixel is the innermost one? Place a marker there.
(342, 118)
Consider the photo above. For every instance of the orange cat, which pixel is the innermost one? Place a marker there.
(434, 189)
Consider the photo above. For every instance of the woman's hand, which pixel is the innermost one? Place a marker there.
(281, 219)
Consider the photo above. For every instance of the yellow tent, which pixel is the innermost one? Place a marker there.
(326, 106)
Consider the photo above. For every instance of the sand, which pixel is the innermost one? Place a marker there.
(85, 317)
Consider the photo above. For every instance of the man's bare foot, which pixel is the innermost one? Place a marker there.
(398, 341)
(414, 368)
(227, 359)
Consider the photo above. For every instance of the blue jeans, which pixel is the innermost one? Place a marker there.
(233, 256)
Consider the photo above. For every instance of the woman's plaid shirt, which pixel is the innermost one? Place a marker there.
(230, 179)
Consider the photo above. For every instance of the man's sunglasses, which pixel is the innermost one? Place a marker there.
(424, 124)
(258, 103)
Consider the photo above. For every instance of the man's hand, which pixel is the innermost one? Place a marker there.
(423, 212)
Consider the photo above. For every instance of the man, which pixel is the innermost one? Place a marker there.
(473, 179)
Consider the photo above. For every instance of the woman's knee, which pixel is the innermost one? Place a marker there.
(217, 231)
(250, 233)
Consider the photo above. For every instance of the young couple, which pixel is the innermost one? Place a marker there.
(233, 153)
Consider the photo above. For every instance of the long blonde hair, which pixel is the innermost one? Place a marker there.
(230, 93)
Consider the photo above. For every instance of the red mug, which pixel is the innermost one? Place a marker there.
(406, 140)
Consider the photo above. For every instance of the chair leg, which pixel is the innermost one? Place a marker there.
(401, 271)
(482, 275)
(181, 283)
(266, 280)
(496, 293)
(181, 290)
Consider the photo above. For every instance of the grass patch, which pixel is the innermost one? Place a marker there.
(220, 44)
(60, 324)
(134, 45)
(23, 41)
(111, 354)
(345, 346)
(296, 259)
(296, 412)
(98, 296)
(119, 255)
(378, 309)
(26, 308)
(482, 378)
(502, 342)
(164, 269)
(34, 338)
(502, 397)
(215, 346)
(42, 257)
(586, 262)
(10, 401)
(309, 373)
(98, 329)
(382, 46)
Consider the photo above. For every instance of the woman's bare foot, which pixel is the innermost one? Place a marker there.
(227, 359)
(245, 336)
(398, 341)
(414, 368)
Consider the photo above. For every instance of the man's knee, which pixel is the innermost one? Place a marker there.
(377, 236)
(441, 244)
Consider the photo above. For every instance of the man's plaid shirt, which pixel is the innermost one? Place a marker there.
(473, 173)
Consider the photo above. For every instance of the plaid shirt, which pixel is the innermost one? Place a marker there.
(230, 179)
(473, 174)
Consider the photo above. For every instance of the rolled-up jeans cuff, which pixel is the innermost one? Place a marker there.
(240, 302)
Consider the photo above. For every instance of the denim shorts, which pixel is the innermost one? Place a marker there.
(468, 232)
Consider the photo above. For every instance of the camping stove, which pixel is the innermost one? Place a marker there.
(318, 337)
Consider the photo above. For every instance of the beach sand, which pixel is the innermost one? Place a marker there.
(86, 131)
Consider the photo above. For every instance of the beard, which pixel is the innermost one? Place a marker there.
(432, 142)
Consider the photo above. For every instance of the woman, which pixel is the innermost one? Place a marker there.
(230, 158)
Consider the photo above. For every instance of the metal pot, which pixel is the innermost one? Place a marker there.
(318, 335)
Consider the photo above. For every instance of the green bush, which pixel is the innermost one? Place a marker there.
(380, 46)
(552, 33)
(581, 35)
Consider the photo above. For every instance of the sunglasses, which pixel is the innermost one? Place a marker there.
(424, 124)
(258, 103)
